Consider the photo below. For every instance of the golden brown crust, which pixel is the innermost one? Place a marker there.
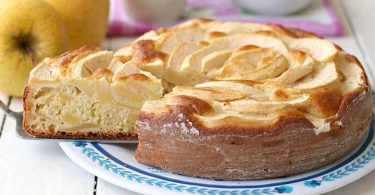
(102, 72)
(87, 135)
(65, 59)
(226, 126)
(205, 20)
(247, 47)
(135, 76)
(298, 33)
(216, 34)
(293, 32)
(355, 60)
(190, 106)
(325, 102)
(26, 91)
(145, 51)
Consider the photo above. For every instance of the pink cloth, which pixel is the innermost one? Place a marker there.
(224, 10)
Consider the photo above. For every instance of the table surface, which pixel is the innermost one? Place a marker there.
(41, 167)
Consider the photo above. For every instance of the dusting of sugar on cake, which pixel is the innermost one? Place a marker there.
(180, 117)
(143, 125)
(147, 145)
(184, 128)
(339, 123)
(166, 127)
(325, 127)
(192, 129)
(186, 125)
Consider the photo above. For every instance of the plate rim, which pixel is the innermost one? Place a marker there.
(93, 158)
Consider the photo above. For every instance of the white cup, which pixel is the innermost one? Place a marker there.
(154, 11)
(273, 7)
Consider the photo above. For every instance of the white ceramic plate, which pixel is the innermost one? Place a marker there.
(116, 164)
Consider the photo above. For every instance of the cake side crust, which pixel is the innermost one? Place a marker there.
(293, 148)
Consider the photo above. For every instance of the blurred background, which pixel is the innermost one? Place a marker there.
(133, 17)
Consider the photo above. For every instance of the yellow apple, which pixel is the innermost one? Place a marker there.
(30, 30)
(86, 20)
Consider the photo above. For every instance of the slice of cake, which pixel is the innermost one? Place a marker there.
(87, 94)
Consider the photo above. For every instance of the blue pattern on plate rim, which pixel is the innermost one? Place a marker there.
(344, 171)
(130, 175)
(345, 168)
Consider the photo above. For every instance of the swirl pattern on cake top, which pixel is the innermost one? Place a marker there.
(248, 75)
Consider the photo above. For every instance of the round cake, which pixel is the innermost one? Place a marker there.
(247, 101)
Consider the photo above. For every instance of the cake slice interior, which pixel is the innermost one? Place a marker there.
(86, 94)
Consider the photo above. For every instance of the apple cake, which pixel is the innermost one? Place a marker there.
(222, 100)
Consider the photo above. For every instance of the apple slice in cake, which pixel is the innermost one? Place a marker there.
(87, 94)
